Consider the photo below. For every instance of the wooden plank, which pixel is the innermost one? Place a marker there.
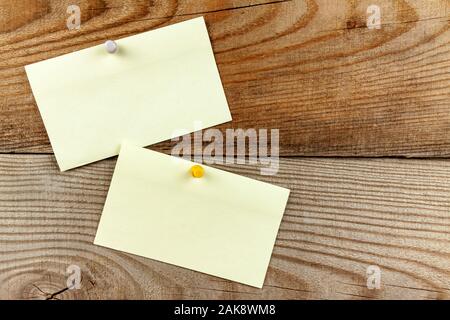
(343, 215)
(35, 30)
(307, 67)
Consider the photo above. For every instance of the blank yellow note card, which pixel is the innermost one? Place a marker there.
(157, 82)
(221, 224)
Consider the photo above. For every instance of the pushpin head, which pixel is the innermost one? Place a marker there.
(111, 46)
(197, 171)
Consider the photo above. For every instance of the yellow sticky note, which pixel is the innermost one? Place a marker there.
(221, 224)
(157, 83)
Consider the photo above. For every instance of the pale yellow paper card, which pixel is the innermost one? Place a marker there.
(158, 82)
(222, 224)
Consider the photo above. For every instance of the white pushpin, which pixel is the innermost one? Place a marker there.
(111, 46)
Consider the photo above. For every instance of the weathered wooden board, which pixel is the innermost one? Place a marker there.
(342, 216)
(307, 67)
(310, 68)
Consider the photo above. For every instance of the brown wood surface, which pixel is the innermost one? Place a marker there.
(307, 67)
(342, 216)
(310, 68)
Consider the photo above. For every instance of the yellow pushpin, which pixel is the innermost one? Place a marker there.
(197, 171)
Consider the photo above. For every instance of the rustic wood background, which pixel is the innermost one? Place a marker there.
(308, 67)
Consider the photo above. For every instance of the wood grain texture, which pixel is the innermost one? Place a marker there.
(307, 67)
(342, 216)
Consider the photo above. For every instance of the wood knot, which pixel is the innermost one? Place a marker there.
(352, 24)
